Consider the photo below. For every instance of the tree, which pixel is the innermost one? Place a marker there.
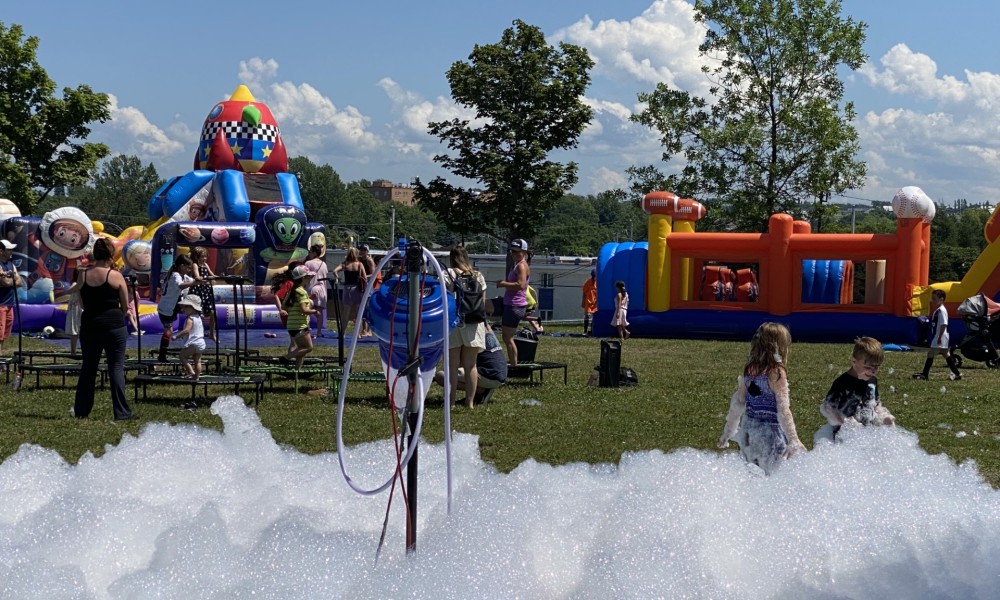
(776, 131)
(323, 193)
(123, 189)
(527, 98)
(40, 135)
(571, 227)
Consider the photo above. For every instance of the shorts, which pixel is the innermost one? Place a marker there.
(513, 315)
(293, 333)
(167, 321)
(472, 335)
(6, 322)
(484, 383)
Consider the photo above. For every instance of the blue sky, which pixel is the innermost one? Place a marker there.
(352, 84)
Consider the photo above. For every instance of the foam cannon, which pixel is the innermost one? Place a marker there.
(410, 316)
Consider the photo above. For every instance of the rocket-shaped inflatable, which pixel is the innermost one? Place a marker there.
(241, 134)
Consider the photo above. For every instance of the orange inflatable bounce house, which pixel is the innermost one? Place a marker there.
(825, 287)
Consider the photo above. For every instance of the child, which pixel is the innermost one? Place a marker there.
(620, 319)
(178, 279)
(194, 331)
(767, 435)
(299, 308)
(939, 338)
(203, 277)
(854, 395)
(589, 303)
(316, 262)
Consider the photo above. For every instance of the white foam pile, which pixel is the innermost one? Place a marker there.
(183, 512)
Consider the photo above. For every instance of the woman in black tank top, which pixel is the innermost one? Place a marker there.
(104, 296)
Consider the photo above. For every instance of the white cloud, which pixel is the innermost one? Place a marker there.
(256, 73)
(133, 133)
(603, 179)
(933, 130)
(660, 45)
(913, 73)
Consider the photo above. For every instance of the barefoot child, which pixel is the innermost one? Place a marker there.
(854, 396)
(178, 279)
(760, 415)
(194, 331)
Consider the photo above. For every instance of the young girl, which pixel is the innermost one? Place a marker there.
(620, 319)
(178, 279)
(767, 435)
(194, 331)
(203, 276)
(316, 262)
(299, 308)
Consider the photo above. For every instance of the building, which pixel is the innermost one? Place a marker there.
(387, 191)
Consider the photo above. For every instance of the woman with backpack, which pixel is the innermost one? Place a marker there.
(467, 340)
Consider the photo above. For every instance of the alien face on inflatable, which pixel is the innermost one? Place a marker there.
(282, 228)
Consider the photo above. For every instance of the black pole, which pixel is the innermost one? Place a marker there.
(414, 261)
(246, 320)
(235, 280)
(334, 293)
(131, 283)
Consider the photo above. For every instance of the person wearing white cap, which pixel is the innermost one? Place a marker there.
(515, 298)
(194, 332)
(299, 308)
(9, 282)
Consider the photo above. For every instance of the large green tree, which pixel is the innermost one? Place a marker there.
(41, 145)
(123, 188)
(775, 130)
(527, 97)
(323, 192)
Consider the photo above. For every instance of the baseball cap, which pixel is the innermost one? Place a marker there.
(191, 300)
(8, 244)
(362, 246)
(300, 272)
(519, 244)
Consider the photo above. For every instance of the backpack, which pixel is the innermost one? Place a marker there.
(469, 298)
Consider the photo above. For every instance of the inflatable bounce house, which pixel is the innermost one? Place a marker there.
(824, 287)
(239, 202)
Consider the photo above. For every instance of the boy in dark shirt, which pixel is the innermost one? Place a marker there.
(854, 395)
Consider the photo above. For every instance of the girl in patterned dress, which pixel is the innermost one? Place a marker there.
(760, 415)
(203, 276)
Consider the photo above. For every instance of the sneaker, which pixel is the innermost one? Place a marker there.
(920, 376)
(484, 397)
(954, 377)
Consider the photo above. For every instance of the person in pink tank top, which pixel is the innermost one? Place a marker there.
(515, 299)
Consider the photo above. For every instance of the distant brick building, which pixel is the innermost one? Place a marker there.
(386, 191)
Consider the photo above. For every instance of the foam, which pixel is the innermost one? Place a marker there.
(183, 512)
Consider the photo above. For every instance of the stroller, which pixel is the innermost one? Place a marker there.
(980, 342)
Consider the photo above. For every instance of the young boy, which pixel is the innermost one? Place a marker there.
(854, 395)
(939, 338)
(194, 331)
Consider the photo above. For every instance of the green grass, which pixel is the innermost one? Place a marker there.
(681, 401)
